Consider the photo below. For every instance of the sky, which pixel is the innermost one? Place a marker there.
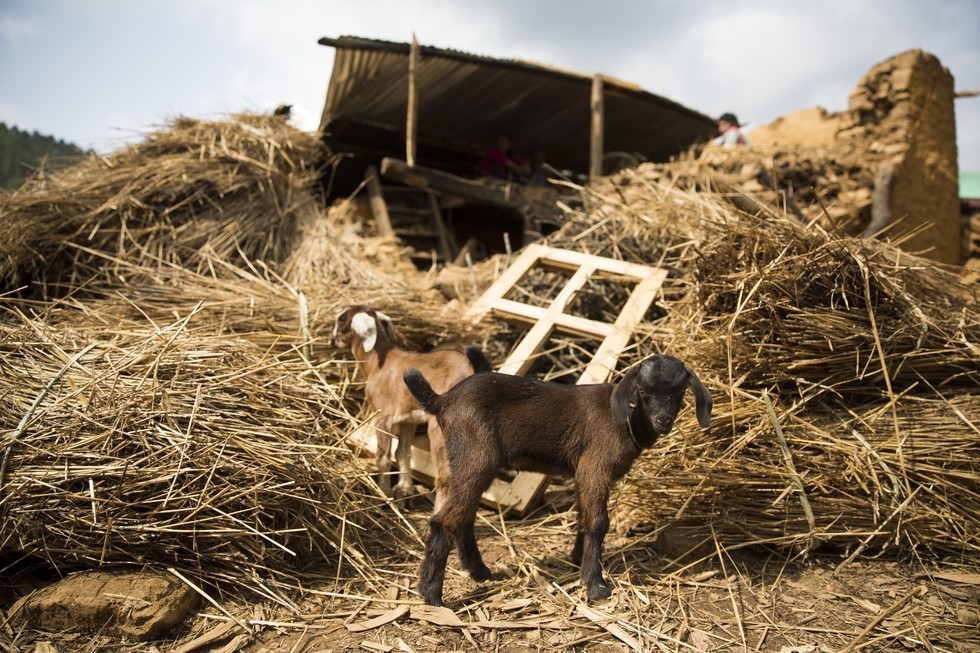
(101, 73)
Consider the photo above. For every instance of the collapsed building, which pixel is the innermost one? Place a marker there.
(419, 118)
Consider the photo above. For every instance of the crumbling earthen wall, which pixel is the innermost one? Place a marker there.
(903, 111)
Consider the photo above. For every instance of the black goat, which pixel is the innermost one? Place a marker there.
(590, 432)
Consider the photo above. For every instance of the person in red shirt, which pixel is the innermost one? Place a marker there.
(500, 162)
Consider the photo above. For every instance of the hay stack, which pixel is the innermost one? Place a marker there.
(202, 426)
(194, 191)
(175, 447)
(868, 355)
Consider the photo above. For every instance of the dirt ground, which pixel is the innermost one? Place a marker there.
(743, 600)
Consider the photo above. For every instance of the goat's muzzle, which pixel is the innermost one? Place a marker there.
(662, 423)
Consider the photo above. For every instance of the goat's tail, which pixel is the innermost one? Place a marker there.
(422, 391)
(478, 360)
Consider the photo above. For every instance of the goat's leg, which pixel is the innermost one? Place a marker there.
(437, 447)
(382, 455)
(470, 480)
(403, 454)
(469, 553)
(453, 524)
(594, 517)
(432, 572)
(463, 533)
(576, 556)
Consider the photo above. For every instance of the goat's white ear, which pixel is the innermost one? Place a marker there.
(366, 328)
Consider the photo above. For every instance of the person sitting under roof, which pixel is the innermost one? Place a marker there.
(500, 162)
(537, 176)
(730, 134)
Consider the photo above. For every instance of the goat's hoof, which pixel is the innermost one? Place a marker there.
(401, 492)
(599, 592)
(482, 574)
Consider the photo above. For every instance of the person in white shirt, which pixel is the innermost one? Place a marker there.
(730, 134)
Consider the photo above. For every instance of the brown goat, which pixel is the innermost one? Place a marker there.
(589, 432)
(370, 336)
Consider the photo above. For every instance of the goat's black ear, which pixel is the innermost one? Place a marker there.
(624, 396)
(387, 325)
(341, 317)
(702, 399)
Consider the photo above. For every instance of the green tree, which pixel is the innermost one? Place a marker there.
(21, 153)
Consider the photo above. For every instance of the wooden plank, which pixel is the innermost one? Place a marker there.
(569, 260)
(521, 359)
(444, 182)
(378, 206)
(565, 324)
(524, 492)
(512, 276)
(523, 355)
(598, 127)
(607, 355)
(413, 107)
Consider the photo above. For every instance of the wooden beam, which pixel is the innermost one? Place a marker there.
(413, 105)
(444, 182)
(378, 206)
(510, 277)
(521, 359)
(598, 129)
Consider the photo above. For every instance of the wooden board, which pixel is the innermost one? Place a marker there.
(520, 495)
(523, 492)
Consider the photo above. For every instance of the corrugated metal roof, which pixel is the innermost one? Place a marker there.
(466, 100)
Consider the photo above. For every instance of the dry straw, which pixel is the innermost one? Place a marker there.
(205, 428)
(869, 354)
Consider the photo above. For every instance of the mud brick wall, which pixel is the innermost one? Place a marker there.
(903, 110)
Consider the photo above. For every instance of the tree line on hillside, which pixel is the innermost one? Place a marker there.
(22, 152)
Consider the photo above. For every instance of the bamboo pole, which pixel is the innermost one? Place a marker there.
(598, 129)
(413, 104)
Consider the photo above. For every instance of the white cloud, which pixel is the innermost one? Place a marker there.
(758, 58)
(14, 29)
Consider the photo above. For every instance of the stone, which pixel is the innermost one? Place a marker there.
(140, 605)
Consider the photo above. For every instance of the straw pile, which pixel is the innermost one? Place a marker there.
(174, 447)
(168, 393)
(199, 190)
(867, 355)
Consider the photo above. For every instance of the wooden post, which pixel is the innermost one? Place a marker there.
(378, 206)
(445, 242)
(598, 127)
(413, 103)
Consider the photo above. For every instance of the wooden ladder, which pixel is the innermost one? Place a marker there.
(519, 495)
(413, 215)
